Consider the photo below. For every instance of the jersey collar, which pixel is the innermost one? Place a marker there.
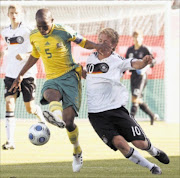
(53, 26)
(17, 26)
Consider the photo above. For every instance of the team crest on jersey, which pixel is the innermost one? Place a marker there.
(140, 55)
(20, 39)
(104, 67)
(131, 55)
(14, 40)
(38, 49)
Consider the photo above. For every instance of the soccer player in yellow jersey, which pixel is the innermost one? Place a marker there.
(52, 42)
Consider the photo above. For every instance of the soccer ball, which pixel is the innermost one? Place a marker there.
(39, 134)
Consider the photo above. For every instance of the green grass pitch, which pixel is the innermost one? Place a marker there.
(54, 159)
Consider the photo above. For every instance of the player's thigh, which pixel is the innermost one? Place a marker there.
(71, 91)
(28, 89)
(51, 91)
(141, 144)
(68, 86)
(136, 83)
(120, 143)
(52, 95)
(103, 127)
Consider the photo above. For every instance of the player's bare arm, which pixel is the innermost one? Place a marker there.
(139, 64)
(17, 82)
(101, 48)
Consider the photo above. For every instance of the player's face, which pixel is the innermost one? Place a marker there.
(44, 26)
(138, 39)
(103, 38)
(14, 14)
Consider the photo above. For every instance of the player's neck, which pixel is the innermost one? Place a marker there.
(101, 57)
(137, 46)
(14, 25)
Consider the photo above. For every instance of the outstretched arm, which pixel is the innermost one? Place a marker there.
(101, 48)
(17, 82)
(139, 64)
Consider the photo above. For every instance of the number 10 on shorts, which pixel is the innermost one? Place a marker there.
(135, 131)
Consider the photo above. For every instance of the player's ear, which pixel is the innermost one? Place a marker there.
(52, 20)
(114, 47)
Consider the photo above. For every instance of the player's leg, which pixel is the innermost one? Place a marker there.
(106, 125)
(130, 131)
(28, 88)
(54, 117)
(134, 106)
(133, 155)
(73, 134)
(135, 90)
(145, 144)
(35, 109)
(71, 104)
(144, 107)
(10, 122)
(10, 99)
(67, 88)
(54, 114)
(153, 151)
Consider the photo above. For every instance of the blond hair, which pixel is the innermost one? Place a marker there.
(111, 33)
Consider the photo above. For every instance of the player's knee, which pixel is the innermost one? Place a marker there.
(120, 144)
(30, 109)
(141, 144)
(68, 117)
(69, 120)
(10, 105)
(69, 123)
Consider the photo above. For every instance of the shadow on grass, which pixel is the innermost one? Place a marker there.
(118, 168)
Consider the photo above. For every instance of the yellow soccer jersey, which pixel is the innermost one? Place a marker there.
(55, 49)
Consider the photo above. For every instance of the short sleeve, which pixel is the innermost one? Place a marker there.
(34, 52)
(126, 64)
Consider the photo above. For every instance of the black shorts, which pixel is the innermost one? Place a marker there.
(115, 122)
(138, 83)
(28, 88)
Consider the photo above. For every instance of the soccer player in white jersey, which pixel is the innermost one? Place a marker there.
(17, 38)
(107, 98)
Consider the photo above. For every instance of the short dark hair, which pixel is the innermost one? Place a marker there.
(137, 33)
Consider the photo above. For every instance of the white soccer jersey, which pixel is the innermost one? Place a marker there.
(104, 89)
(18, 42)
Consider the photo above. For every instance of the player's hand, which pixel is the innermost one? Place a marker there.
(19, 57)
(16, 84)
(153, 63)
(148, 59)
(104, 49)
(84, 74)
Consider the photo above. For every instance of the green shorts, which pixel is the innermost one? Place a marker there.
(70, 88)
